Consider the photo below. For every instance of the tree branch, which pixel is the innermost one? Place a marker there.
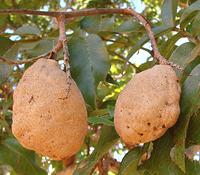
(89, 12)
(13, 62)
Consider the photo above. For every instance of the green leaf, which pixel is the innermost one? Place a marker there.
(193, 167)
(100, 120)
(168, 14)
(5, 44)
(5, 69)
(89, 64)
(160, 162)
(40, 47)
(96, 24)
(190, 92)
(20, 159)
(195, 30)
(169, 46)
(157, 32)
(193, 134)
(107, 139)
(129, 26)
(28, 30)
(130, 162)
(190, 103)
(189, 13)
(182, 55)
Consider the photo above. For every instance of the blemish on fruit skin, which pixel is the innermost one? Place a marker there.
(31, 99)
(155, 128)
(148, 123)
(163, 126)
(141, 134)
(127, 126)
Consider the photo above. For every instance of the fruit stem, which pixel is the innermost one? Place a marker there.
(63, 41)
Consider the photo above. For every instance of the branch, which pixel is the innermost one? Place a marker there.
(13, 62)
(89, 12)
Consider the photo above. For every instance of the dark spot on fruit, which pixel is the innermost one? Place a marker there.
(148, 124)
(141, 134)
(127, 126)
(155, 128)
(177, 81)
(31, 99)
(163, 126)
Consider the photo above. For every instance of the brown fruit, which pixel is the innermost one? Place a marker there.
(45, 118)
(148, 105)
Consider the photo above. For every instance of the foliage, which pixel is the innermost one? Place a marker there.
(102, 50)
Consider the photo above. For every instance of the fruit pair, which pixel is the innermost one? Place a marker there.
(53, 122)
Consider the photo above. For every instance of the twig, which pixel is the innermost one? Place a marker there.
(63, 40)
(89, 12)
(13, 62)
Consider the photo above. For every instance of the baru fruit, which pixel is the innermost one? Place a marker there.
(148, 105)
(49, 116)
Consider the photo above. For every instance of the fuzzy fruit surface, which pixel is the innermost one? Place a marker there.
(148, 105)
(45, 118)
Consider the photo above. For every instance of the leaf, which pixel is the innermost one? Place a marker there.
(129, 26)
(27, 29)
(195, 30)
(193, 167)
(107, 139)
(168, 14)
(20, 159)
(5, 44)
(89, 64)
(182, 55)
(96, 24)
(100, 120)
(190, 103)
(157, 32)
(169, 46)
(160, 162)
(40, 47)
(130, 162)
(193, 135)
(146, 65)
(5, 69)
(189, 13)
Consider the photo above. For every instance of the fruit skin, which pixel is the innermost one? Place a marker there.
(148, 105)
(45, 119)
